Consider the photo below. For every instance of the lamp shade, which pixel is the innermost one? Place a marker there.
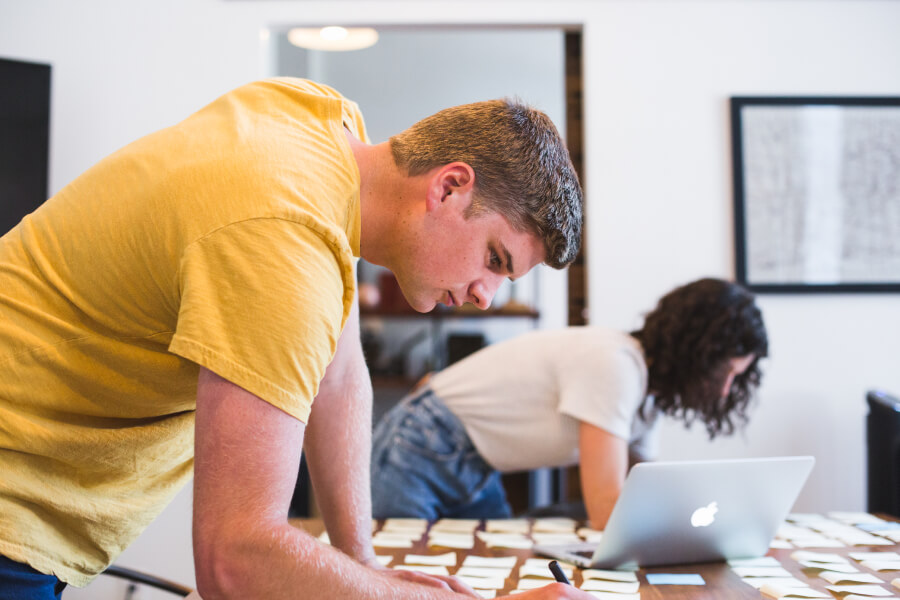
(333, 38)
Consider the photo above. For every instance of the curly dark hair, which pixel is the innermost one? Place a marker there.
(688, 341)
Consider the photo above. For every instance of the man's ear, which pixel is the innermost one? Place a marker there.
(452, 182)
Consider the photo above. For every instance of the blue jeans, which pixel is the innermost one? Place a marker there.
(424, 465)
(18, 581)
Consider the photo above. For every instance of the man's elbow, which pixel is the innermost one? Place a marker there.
(221, 570)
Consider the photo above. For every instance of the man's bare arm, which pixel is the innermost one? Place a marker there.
(246, 463)
(339, 443)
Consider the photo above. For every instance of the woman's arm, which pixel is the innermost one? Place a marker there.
(604, 464)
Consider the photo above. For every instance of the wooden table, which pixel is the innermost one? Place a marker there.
(721, 581)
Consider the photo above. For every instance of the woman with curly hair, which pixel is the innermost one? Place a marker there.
(686, 339)
(554, 398)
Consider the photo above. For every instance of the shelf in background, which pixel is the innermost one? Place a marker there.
(458, 313)
(393, 381)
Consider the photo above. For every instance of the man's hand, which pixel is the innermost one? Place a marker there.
(553, 591)
(446, 582)
(438, 581)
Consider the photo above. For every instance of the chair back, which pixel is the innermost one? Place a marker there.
(138, 577)
(883, 451)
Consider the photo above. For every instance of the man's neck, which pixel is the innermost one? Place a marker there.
(380, 197)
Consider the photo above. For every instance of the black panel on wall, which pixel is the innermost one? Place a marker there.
(24, 139)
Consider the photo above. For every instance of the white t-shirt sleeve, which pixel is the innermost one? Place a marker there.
(604, 388)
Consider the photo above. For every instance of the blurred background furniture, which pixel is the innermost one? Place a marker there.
(572, 510)
(883, 439)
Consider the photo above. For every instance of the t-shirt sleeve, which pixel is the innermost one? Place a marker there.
(262, 305)
(603, 389)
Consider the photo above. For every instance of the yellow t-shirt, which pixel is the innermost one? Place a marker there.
(225, 241)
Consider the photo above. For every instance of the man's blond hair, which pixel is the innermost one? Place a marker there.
(522, 167)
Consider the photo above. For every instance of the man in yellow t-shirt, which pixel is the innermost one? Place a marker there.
(177, 308)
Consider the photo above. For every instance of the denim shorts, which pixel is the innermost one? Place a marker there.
(424, 465)
(18, 581)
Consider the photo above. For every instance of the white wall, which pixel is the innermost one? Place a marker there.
(657, 77)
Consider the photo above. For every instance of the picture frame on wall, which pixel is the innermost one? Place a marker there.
(816, 193)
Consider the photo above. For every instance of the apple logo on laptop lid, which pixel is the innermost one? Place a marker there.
(705, 515)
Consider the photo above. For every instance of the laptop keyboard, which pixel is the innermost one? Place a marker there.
(585, 553)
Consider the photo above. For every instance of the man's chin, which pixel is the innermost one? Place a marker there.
(423, 307)
(420, 305)
(419, 302)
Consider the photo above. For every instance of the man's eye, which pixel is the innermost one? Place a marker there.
(495, 259)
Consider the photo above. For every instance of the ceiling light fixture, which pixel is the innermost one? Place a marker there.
(333, 38)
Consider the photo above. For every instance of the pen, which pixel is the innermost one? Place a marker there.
(558, 573)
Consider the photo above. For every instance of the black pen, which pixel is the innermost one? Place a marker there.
(558, 573)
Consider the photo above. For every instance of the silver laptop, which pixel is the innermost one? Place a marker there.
(693, 511)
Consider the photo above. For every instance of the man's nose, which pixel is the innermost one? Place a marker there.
(481, 293)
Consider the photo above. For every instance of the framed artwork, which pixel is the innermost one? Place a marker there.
(817, 193)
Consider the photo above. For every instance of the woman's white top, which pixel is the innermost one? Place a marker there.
(521, 400)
